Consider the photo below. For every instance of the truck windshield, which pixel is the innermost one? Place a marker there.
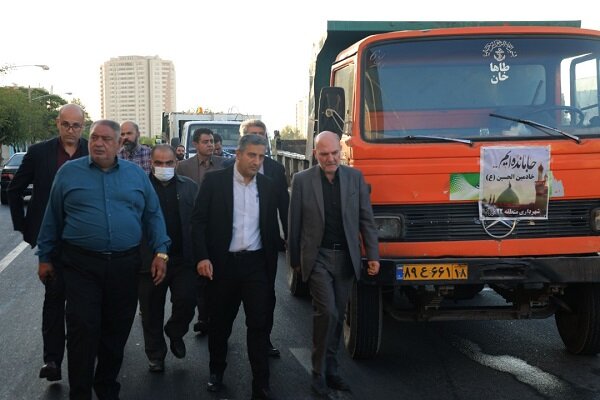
(449, 88)
(230, 132)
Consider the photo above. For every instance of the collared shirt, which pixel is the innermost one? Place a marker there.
(169, 204)
(332, 201)
(212, 163)
(62, 156)
(246, 213)
(140, 155)
(101, 210)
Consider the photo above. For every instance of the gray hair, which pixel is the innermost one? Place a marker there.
(249, 140)
(109, 123)
(251, 122)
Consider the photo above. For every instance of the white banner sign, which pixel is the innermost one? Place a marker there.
(514, 183)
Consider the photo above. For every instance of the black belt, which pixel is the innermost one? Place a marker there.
(101, 254)
(245, 253)
(334, 246)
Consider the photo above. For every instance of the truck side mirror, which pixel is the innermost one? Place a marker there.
(332, 109)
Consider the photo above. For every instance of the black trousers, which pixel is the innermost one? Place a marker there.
(53, 317)
(202, 298)
(180, 280)
(245, 281)
(101, 297)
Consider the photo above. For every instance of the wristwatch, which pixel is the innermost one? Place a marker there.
(164, 256)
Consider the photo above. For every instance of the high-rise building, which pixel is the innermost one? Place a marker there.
(139, 89)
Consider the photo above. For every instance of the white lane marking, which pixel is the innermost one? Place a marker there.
(544, 382)
(303, 355)
(12, 255)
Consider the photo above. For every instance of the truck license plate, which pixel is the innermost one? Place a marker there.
(431, 272)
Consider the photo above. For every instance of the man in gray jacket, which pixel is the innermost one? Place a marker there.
(330, 211)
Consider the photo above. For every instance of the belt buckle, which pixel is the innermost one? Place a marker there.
(337, 247)
(106, 253)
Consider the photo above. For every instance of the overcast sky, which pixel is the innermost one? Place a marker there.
(245, 56)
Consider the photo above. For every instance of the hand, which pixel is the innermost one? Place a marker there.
(205, 268)
(45, 272)
(158, 270)
(373, 268)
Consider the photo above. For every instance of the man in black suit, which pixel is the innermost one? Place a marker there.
(276, 172)
(235, 238)
(38, 168)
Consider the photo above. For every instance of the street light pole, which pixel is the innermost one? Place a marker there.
(6, 68)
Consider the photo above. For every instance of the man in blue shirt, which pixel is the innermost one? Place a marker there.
(92, 229)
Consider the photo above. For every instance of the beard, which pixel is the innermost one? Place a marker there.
(180, 156)
(129, 146)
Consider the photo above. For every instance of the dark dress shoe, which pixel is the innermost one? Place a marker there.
(156, 366)
(177, 347)
(336, 382)
(319, 387)
(262, 394)
(273, 352)
(201, 327)
(215, 383)
(51, 372)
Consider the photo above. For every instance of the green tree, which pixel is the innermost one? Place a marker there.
(27, 115)
(13, 119)
(289, 133)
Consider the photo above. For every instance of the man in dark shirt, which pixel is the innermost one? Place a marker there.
(92, 229)
(38, 168)
(176, 195)
(330, 211)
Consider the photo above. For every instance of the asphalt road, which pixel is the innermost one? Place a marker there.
(492, 360)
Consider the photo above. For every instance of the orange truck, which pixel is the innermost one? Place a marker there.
(481, 145)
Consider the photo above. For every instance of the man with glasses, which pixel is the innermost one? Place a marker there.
(131, 149)
(38, 168)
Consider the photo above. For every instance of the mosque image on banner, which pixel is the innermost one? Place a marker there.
(514, 183)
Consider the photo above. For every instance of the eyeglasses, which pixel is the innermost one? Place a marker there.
(76, 126)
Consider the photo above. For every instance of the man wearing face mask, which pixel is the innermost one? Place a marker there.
(176, 195)
(131, 149)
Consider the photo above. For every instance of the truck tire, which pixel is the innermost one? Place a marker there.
(363, 322)
(580, 327)
(297, 287)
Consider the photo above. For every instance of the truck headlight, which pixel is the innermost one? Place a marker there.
(389, 227)
(595, 220)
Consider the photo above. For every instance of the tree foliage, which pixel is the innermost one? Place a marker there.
(27, 115)
(289, 132)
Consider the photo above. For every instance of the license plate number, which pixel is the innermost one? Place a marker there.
(431, 272)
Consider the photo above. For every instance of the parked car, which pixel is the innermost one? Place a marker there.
(8, 172)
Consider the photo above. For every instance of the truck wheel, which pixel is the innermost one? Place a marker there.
(297, 287)
(363, 323)
(580, 327)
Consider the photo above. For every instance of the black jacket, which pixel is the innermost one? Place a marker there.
(212, 220)
(38, 167)
(187, 191)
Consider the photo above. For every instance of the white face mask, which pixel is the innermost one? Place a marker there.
(163, 174)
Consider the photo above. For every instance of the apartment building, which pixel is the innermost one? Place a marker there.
(138, 88)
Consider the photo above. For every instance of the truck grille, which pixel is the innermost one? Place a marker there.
(460, 221)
